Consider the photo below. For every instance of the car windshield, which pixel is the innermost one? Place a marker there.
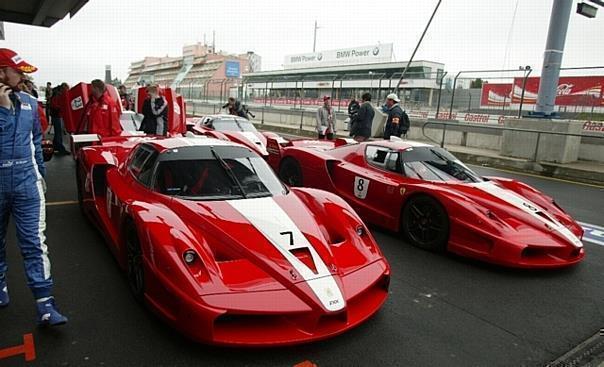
(215, 173)
(435, 164)
(232, 124)
(130, 121)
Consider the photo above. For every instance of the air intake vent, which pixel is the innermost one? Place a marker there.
(304, 255)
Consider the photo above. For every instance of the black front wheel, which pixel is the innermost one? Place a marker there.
(136, 273)
(290, 172)
(79, 187)
(425, 223)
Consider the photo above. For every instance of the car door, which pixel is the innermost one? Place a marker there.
(373, 190)
(137, 179)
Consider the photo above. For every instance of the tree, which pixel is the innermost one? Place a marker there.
(476, 83)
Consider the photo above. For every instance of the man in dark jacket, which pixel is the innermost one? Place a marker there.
(361, 129)
(155, 112)
(57, 114)
(397, 123)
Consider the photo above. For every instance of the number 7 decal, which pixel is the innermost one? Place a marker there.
(291, 236)
(361, 185)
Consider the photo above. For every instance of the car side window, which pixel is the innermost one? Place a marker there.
(208, 122)
(393, 162)
(142, 164)
(376, 156)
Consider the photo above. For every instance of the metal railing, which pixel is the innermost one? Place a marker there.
(499, 128)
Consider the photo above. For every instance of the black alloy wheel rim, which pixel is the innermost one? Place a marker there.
(135, 267)
(291, 174)
(425, 224)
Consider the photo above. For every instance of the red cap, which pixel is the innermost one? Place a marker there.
(11, 59)
(325, 98)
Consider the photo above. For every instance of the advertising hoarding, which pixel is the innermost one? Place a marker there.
(345, 56)
(232, 69)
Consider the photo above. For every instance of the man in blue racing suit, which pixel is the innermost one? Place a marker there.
(22, 186)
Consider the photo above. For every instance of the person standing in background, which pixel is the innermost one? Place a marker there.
(362, 128)
(155, 112)
(47, 96)
(30, 88)
(326, 120)
(397, 123)
(56, 114)
(102, 116)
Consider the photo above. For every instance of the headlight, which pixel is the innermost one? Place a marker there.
(189, 256)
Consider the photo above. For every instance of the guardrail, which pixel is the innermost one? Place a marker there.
(498, 128)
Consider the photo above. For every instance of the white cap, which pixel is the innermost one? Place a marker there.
(393, 97)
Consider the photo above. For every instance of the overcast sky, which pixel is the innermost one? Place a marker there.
(465, 34)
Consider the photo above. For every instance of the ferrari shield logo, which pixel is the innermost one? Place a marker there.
(403, 190)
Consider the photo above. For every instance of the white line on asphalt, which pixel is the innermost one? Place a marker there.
(587, 236)
(591, 225)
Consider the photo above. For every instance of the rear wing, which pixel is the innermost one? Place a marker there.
(74, 104)
(78, 141)
(176, 108)
(274, 147)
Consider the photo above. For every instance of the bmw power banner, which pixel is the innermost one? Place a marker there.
(346, 56)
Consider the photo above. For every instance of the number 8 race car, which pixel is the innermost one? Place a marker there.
(435, 200)
(214, 243)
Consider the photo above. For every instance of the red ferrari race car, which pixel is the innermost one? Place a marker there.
(436, 201)
(220, 249)
(233, 128)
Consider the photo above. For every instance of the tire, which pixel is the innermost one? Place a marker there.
(290, 172)
(135, 269)
(425, 223)
(79, 188)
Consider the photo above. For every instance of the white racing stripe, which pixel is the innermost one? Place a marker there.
(42, 210)
(274, 223)
(528, 207)
(253, 138)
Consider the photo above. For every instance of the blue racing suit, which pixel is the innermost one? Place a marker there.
(22, 190)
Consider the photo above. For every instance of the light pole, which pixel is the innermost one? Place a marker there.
(527, 71)
(314, 43)
(416, 47)
(371, 82)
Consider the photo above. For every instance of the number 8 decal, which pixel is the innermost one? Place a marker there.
(361, 185)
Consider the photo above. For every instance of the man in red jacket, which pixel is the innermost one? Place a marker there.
(102, 114)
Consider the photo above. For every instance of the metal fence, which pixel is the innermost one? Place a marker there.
(499, 129)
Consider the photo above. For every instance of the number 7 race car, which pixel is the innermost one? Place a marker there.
(219, 248)
(435, 200)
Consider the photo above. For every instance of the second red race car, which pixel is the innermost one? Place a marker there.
(218, 247)
(436, 201)
(233, 128)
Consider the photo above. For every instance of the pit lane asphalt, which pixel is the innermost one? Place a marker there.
(442, 310)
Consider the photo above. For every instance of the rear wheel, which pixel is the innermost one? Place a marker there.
(290, 172)
(425, 223)
(79, 187)
(136, 273)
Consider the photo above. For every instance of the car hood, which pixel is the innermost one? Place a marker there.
(267, 243)
(252, 139)
(517, 213)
